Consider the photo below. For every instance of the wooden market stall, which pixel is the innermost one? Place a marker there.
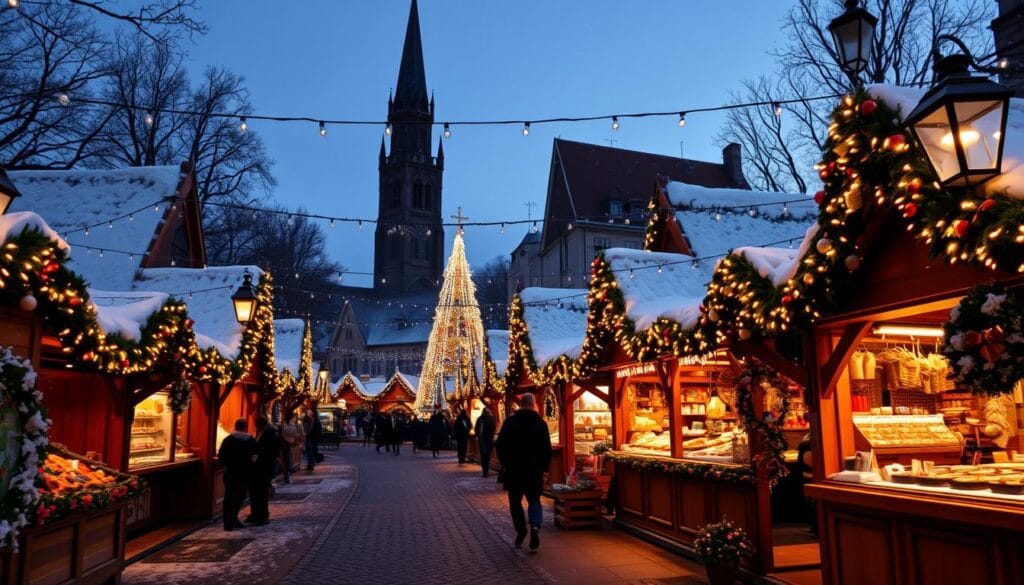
(397, 394)
(492, 387)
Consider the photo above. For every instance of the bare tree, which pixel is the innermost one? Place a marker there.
(779, 151)
(158, 20)
(491, 282)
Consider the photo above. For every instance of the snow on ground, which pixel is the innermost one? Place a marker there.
(13, 223)
(288, 335)
(556, 319)
(497, 348)
(212, 310)
(69, 200)
(674, 293)
(125, 312)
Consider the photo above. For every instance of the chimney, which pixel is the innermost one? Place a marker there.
(732, 160)
(1008, 31)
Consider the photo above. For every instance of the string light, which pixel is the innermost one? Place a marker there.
(110, 225)
(533, 228)
(243, 126)
(64, 99)
(682, 119)
(1004, 63)
(526, 128)
(291, 220)
(447, 130)
(12, 3)
(332, 224)
(149, 119)
(777, 108)
(387, 129)
(615, 122)
(323, 128)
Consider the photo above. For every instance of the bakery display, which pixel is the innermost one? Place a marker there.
(151, 432)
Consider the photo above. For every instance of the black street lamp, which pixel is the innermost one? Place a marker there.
(853, 32)
(961, 122)
(7, 191)
(245, 299)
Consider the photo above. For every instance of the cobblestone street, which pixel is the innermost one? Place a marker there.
(368, 518)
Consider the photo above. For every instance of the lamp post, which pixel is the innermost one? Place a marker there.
(853, 33)
(324, 375)
(7, 191)
(960, 122)
(244, 300)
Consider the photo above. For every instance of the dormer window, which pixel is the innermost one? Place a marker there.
(614, 207)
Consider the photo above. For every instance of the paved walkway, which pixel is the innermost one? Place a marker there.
(367, 518)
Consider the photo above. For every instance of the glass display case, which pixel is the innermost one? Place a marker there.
(152, 432)
(592, 423)
(646, 415)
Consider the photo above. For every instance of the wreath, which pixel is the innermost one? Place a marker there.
(18, 395)
(769, 427)
(984, 340)
(180, 395)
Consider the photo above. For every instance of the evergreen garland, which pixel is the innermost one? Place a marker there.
(769, 427)
(180, 395)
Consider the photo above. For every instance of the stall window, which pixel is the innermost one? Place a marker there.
(552, 414)
(592, 423)
(645, 408)
(152, 432)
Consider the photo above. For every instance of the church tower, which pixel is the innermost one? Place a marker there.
(409, 242)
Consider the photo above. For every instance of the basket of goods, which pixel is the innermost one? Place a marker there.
(68, 482)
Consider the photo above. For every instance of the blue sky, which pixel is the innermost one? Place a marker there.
(484, 60)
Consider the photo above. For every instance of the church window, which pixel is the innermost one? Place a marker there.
(417, 196)
(396, 195)
(428, 196)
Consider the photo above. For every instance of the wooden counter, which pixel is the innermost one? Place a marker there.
(874, 535)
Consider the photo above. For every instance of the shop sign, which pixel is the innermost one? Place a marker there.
(635, 370)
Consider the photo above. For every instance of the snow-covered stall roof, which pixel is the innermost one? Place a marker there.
(350, 378)
(497, 348)
(716, 221)
(374, 386)
(207, 292)
(675, 292)
(905, 99)
(70, 200)
(411, 382)
(556, 319)
(13, 223)
(288, 335)
(124, 313)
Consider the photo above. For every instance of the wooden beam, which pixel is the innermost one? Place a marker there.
(770, 357)
(830, 371)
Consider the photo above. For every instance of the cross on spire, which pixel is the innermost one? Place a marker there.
(459, 218)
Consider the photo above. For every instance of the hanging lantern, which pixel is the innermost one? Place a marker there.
(245, 299)
(7, 191)
(715, 408)
(960, 123)
(853, 31)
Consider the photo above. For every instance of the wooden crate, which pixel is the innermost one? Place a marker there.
(577, 509)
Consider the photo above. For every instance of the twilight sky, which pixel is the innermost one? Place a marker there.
(484, 60)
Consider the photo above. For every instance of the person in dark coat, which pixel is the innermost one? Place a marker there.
(484, 429)
(524, 448)
(267, 447)
(367, 428)
(398, 435)
(438, 431)
(236, 454)
(461, 432)
(385, 428)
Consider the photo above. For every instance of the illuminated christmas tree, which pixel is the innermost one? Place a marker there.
(457, 338)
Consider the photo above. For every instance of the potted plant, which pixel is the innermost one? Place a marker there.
(721, 547)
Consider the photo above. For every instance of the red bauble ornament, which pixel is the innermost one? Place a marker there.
(851, 172)
(960, 228)
(914, 187)
(189, 323)
(125, 363)
(868, 107)
(910, 210)
(895, 141)
(986, 205)
(75, 301)
(819, 197)
(787, 299)
(51, 267)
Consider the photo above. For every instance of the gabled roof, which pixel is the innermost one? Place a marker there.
(556, 319)
(397, 319)
(675, 292)
(352, 380)
(594, 174)
(715, 221)
(124, 313)
(70, 200)
(497, 349)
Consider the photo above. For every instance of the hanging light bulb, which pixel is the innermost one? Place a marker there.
(659, 268)
(332, 224)
(131, 217)
(631, 275)
(291, 220)
(149, 119)
(526, 128)
(502, 229)
(87, 230)
(387, 129)
(429, 231)
(569, 227)
(615, 122)
(64, 99)
(360, 225)
(110, 225)
(785, 210)
(447, 130)
(243, 126)
(718, 216)
(777, 108)
(533, 228)
(1004, 63)
(694, 263)
(323, 128)
(753, 212)
(101, 252)
(13, 3)
(682, 119)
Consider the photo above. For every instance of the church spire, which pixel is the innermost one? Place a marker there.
(411, 91)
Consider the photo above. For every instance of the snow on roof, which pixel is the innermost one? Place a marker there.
(212, 310)
(374, 386)
(905, 99)
(497, 348)
(411, 382)
(288, 335)
(70, 200)
(395, 319)
(778, 264)
(557, 321)
(716, 221)
(351, 378)
(13, 223)
(674, 293)
(124, 313)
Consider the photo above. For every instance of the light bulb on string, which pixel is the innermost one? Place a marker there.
(785, 210)
(387, 129)
(533, 228)
(682, 119)
(360, 225)
(87, 230)
(332, 224)
(447, 130)
(101, 252)
(753, 212)
(243, 126)
(631, 275)
(615, 122)
(502, 229)
(110, 225)
(526, 128)
(1004, 63)
(569, 226)
(777, 109)
(694, 263)
(131, 217)
(323, 128)
(659, 268)
(718, 216)
(149, 119)
(64, 100)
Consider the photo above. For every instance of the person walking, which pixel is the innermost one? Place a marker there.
(236, 454)
(367, 428)
(289, 435)
(398, 436)
(267, 448)
(461, 432)
(484, 429)
(438, 431)
(524, 449)
(310, 421)
(385, 429)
